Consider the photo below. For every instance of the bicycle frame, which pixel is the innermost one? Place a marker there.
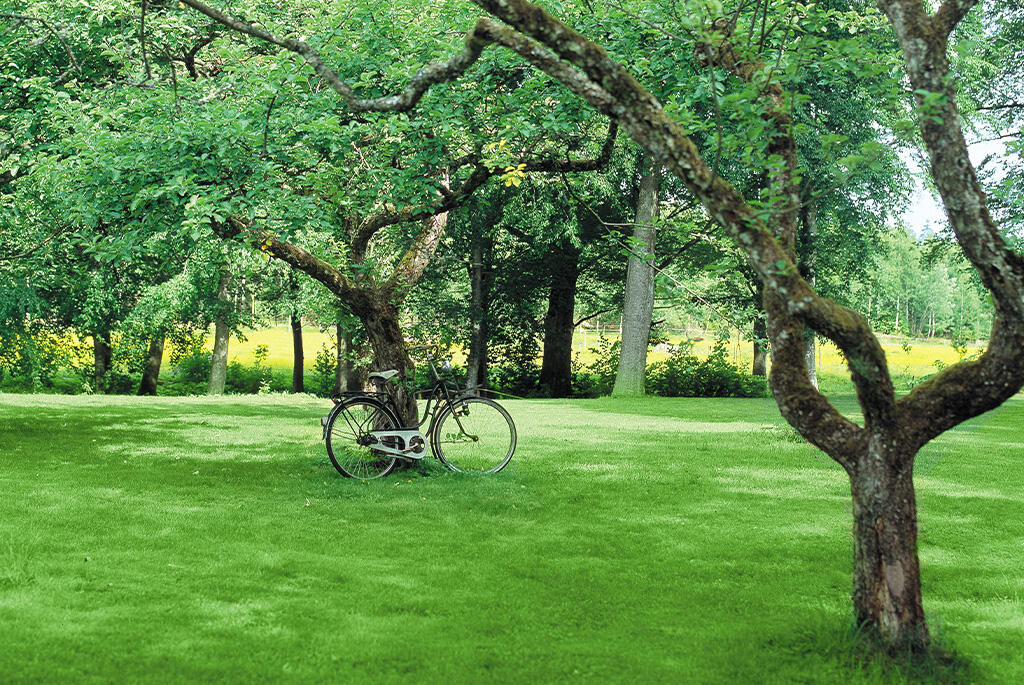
(439, 397)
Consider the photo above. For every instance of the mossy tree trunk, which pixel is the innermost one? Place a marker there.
(379, 315)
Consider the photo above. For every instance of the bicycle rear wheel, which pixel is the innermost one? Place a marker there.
(475, 434)
(349, 443)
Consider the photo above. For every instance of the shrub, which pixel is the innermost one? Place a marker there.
(686, 375)
(598, 377)
(514, 379)
(194, 367)
(325, 369)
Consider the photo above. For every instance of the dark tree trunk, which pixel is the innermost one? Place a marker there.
(298, 370)
(556, 367)
(379, 316)
(221, 337)
(151, 372)
(886, 571)
(100, 360)
(638, 305)
(481, 278)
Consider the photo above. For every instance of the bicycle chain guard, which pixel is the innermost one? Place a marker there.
(412, 443)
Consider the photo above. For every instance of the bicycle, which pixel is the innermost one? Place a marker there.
(364, 439)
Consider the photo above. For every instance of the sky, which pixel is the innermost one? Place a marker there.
(925, 209)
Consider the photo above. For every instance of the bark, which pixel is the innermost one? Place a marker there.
(151, 371)
(556, 365)
(298, 370)
(221, 337)
(481, 279)
(638, 305)
(101, 360)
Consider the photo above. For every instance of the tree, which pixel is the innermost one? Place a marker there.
(878, 456)
(638, 302)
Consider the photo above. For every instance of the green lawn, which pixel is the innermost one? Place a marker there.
(665, 540)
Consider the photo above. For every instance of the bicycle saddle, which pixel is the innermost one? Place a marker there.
(384, 375)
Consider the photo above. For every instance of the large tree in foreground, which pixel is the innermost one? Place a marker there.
(878, 455)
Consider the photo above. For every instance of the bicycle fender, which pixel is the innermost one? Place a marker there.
(325, 420)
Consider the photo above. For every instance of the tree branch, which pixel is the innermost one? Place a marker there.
(950, 14)
(451, 198)
(333, 279)
(73, 63)
(964, 389)
(594, 315)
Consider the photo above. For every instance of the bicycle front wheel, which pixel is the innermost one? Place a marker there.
(349, 442)
(474, 434)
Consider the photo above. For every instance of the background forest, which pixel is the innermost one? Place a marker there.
(131, 130)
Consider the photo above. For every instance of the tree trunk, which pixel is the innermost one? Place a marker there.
(810, 356)
(896, 330)
(809, 268)
(151, 372)
(480, 279)
(221, 337)
(760, 366)
(100, 360)
(556, 367)
(638, 305)
(298, 370)
(886, 574)
(379, 316)
(341, 367)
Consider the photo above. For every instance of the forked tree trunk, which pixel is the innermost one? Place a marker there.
(100, 360)
(221, 337)
(556, 366)
(886, 571)
(379, 316)
(151, 371)
(638, 305)
(298, 370)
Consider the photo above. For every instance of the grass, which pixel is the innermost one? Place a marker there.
(676, 540)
